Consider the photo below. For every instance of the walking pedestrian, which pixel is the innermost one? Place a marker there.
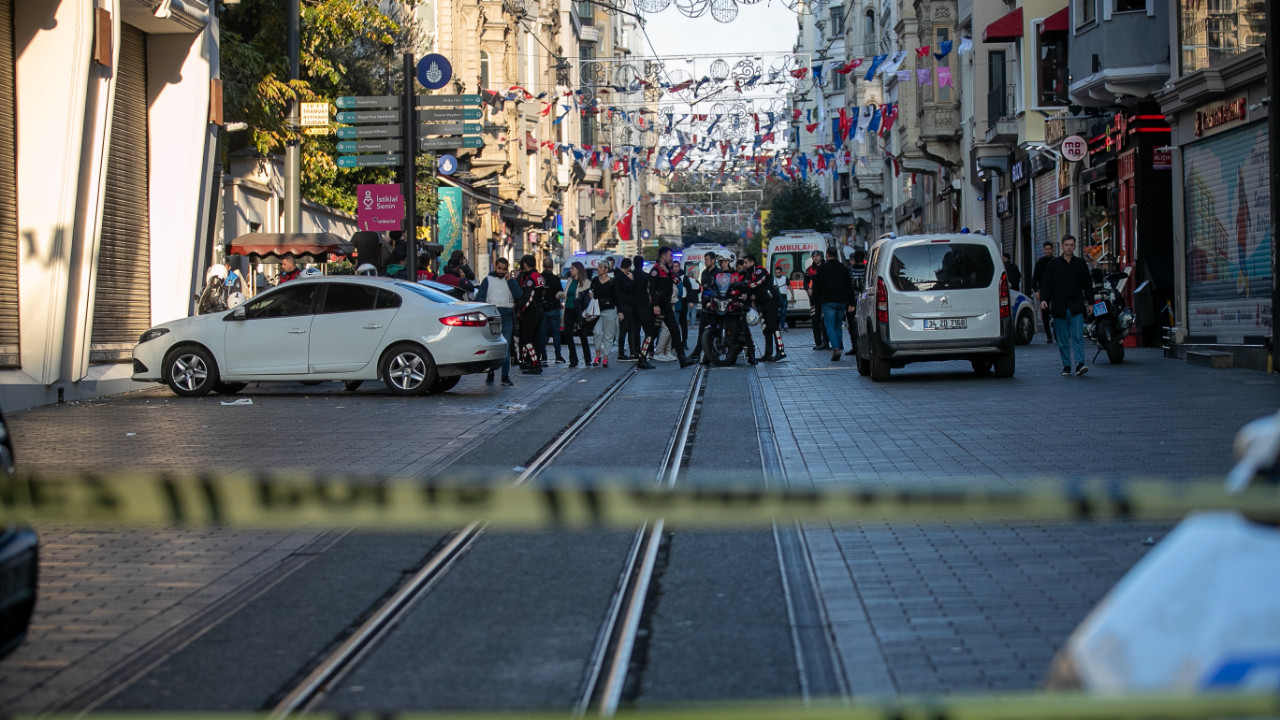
(529, 312)
(1037, 276)
(857, 268)
(815, 311)
(1064, 293)
(783, 288)
(551, 315)
(1012, 272)
(502, 292)
(604, 290)
(628, 319)
(832, 291)
(575, 300)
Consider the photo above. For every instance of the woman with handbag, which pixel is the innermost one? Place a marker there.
(604, 295)
(575, 302)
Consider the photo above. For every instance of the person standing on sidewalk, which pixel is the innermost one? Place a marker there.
(833, 293)
(761, 290)
(815, 309)
(705, 281)
(575, 301)
(857, 269)
(529, 313)
(628, 322)
(783, 288)
(1064, 292)
(502, 292)
(604, 290)
(551, 317)
(1037, 276)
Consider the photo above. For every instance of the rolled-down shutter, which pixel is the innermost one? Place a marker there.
(122, 301)
(988, 208)
(8, 195)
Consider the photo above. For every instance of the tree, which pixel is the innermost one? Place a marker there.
(347, 47)
(798, 206)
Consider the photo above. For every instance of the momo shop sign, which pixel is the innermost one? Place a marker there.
(379, 207)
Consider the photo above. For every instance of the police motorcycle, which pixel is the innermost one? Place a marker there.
(728, 319)
(1111, 319)
(220, 291)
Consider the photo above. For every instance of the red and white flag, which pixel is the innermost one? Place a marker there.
(624, 225)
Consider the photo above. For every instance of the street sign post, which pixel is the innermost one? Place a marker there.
(356, 102)
(373, 146)
(450, 142)
(370, 131)
(448, 128)
(446, 164)
(315, 114)
(369, 116)
(447, 100)
(449, 115)
(351, 161)
(434, 71)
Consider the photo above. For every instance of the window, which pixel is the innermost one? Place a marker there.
(1086, 11)
(584, 13)
(837, 22)
(387, 300)
(426, 292)
(998, 94)
(1212, 32)
(941, 266)
(340, 297)
(1130, 5)
(587, 52)
(943, 94)
(869, 33)
(291, 301)
(1051, 69)
(484, 69)
(839, 81)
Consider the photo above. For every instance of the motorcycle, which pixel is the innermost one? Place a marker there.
(725, 335)
(1111, 319)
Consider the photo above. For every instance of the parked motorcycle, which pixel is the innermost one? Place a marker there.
(1111, 319)
(725, 335)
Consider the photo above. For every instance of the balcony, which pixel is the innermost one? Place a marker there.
(940, 122)
(1002, 124)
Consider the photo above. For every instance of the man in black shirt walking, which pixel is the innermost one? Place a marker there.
(1037, 276)
(1065, 292)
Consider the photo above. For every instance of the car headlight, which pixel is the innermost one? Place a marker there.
(152, 334)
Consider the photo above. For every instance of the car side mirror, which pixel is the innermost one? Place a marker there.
(237, 314)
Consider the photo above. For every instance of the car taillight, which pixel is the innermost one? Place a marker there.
(474, 319)
(1004, 295)
(882, 302)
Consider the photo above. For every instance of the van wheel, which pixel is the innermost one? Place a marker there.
(879, 368)
(981, 367)
(1005, 365)
(1024, 328)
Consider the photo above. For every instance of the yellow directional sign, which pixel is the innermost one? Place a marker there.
(315, 114)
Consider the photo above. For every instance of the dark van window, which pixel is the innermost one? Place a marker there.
(941, 266)
(348, 297)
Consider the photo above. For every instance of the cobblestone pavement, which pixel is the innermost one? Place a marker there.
(968, 607)
(915, 608)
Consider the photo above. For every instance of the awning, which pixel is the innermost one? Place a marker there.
(1057, 22)
(281, 244)
(1006, 29)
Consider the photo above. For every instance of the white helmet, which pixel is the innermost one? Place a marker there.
(234, 300)
(312, 272)
(219, 271)
(366, 269)
(753, 317)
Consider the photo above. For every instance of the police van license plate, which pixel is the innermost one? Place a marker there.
(946, 324)
(1100, 308)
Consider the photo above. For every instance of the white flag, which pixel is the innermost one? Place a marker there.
(892, 64)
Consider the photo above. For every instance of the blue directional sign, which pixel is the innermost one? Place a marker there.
(447, 164)
(434, 71)
(352, 161)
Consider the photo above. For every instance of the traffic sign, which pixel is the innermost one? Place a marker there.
(381, 146)
(434, 71)
(353, 102)
(315, 114)
(449, 115)
(454, 141)
(369, 116)
(448, 128)
(370, 131)
(448, 100)
(351, 161)
(447, 164)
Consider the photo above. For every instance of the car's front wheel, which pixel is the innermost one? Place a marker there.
(407, 369)
(190, 371)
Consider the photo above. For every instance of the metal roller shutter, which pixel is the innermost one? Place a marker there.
(1227, 201)
(988, 208)
(1046, 191)
(8, 195)
(122, 301)
(1024, 221)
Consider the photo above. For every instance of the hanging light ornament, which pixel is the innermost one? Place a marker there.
(724, 11)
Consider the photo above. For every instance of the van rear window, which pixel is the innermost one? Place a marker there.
(941, 266)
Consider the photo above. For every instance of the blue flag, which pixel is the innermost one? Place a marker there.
(876, 62)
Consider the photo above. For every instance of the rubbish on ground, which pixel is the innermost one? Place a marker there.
(238, 401)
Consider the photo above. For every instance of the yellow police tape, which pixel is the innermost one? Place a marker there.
(1005, 706)
(292, 500)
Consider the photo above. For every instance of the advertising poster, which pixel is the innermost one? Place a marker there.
(449, 219)
(1228, 206)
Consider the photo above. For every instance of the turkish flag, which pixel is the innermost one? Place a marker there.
(624, 225)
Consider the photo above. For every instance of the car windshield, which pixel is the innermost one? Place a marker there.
(941, 266)
(428, 293)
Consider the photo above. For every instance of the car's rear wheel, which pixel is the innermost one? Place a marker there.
(407, 369)
(879, 368)
(1025, 327)
(229, 388)
(445, 384)
(1005, 365)
(190, 371)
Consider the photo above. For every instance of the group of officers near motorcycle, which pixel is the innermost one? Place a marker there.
(747, 281)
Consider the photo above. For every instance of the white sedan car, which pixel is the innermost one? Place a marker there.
(350, 328)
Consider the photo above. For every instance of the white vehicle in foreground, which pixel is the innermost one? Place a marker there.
(351, 328)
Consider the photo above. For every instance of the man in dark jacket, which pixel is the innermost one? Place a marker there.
(815, 310)
(1066, 292)
(1037, 277)
(833, 293)
(661, 283)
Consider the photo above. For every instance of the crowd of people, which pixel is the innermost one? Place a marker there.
(630, 314)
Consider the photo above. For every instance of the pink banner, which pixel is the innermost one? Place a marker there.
(944, 77)
(923, 76)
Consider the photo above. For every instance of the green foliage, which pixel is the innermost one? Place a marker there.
(347, 47)
(798, 206)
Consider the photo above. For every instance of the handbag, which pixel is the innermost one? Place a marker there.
(592, 310)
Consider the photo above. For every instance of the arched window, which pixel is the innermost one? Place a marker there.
(484, 70)
(869, 33)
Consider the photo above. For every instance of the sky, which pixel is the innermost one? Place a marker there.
(767, 26)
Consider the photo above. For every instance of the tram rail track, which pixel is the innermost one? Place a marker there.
(608, 665)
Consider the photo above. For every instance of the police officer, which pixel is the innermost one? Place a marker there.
(705, 282)
(529, 312)
(661, 287)
(761, 289)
